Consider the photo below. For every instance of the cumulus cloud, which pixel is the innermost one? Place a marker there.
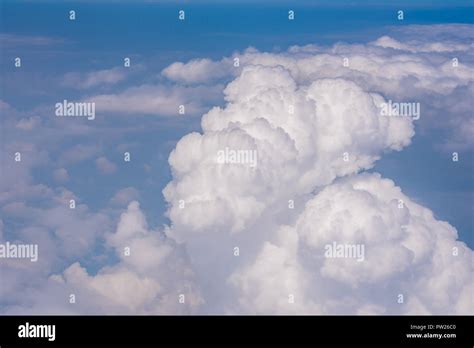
(407, 66)
(150, 278)
(407, 252)
(62, 235)
(300, 135)
(152, 275)
(196, 71)
(314, 125)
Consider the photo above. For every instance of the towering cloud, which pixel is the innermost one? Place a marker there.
(431, 64)
(313, 117)
(304, 136)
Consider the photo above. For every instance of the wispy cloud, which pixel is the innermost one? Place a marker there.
(15, 40)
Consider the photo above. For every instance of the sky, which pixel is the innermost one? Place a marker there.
(191, 62)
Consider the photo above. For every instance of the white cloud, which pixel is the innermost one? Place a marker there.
(14, 40)
(157, 100)
(105, 166)
(149, 279)
(28, 124)
(62, 235)
(95, 78)
(215, 207)
(407, 251)
(197, 71)
(297, 152)
(417, 46)
(415, 67)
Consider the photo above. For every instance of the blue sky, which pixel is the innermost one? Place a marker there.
(52, 48)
